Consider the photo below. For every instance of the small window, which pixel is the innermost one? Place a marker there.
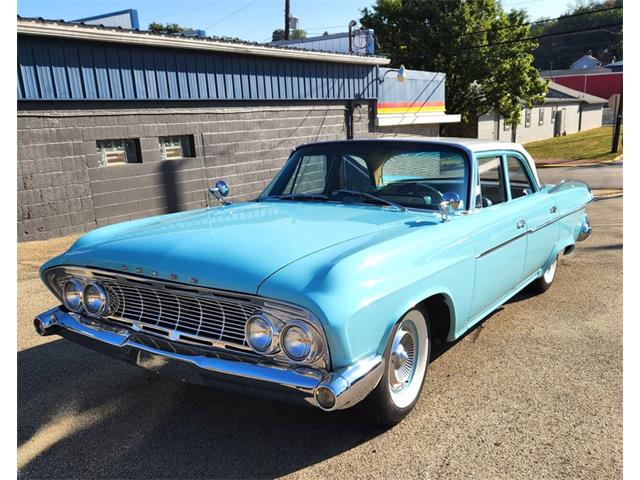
(519, 181)
(118, 152)
(492, 187)
(527, 118)
(554, 111)
(541, 116)
(178, 146)
(355, 174)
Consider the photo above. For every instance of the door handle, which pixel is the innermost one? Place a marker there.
(521, 224)
(553, 209)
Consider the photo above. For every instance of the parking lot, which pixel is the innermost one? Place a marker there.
(534, 391)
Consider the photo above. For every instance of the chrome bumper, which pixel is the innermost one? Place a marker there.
(329, 391)
(585, 229)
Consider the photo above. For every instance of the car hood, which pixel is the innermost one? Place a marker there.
(234, 247)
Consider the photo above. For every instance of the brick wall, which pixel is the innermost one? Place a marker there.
(62, 189)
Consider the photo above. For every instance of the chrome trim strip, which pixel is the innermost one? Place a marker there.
(532, 230)
(351, 384)
(493, 249)
(564, 215)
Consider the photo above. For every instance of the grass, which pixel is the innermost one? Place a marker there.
(593, 146)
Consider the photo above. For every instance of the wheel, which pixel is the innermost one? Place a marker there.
(406, 358)
(543, 283)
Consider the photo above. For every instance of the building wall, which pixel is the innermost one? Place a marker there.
(62, 189)
(601, 85)
(592, 116)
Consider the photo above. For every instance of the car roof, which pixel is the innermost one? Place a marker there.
(472, 144)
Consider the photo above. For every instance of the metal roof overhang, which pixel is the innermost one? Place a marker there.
(131, 37)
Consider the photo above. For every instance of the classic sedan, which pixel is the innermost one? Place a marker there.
(332, 285)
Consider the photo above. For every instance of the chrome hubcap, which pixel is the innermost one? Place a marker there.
(551, 271)
(408, 360)
(402, 359)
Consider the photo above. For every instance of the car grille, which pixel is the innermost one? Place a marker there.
(188, 316)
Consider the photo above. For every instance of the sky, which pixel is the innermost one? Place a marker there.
(252, 20)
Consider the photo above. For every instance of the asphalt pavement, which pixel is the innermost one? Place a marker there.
(606, 176)
(534, 391)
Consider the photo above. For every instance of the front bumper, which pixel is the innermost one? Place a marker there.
(329, 391)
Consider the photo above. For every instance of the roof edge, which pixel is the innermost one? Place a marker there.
(50, 28)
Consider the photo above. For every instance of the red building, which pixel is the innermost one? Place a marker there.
(600, 82)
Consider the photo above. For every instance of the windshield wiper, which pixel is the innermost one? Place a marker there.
(372, 197)
(296, 196)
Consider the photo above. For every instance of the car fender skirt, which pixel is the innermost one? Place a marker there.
(219, 368)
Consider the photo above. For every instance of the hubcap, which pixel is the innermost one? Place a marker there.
(551, 271)
(408, 361)
(402, 359)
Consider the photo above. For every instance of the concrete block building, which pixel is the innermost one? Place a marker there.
(116, 124)
(563, 112)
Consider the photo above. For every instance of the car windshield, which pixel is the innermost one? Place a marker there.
(394, 174)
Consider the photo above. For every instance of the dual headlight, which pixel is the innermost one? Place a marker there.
(92, 297)
(299, 341)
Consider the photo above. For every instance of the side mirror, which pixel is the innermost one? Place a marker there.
(220, 190)
(451, 201)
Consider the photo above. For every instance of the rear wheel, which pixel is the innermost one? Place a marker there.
(543, 283)
(406, 359)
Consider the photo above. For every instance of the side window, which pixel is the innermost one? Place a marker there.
(492, 186)
(519, 181)
(355, 174)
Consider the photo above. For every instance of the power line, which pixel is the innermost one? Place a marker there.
(526, 39)
(231, 14)
(547, 20)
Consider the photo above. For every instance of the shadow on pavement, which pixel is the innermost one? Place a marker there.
(81, 414)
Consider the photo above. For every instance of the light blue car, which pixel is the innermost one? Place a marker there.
(331, 286)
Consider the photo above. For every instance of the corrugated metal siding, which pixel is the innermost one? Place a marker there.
(57, 69)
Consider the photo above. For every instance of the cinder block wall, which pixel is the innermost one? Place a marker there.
(63, 190)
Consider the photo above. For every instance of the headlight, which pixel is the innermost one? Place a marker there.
(95, 299)
(260, 333)
(72, 295)
(297, 342)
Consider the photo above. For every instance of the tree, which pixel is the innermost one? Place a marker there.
(563, 50)
(483, 50)
(278, 34)
(166, 28)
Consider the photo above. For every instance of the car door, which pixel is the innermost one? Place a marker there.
(500, 232)
(539, 210)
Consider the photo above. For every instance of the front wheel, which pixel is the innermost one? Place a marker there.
(406, 358)
(543, 283)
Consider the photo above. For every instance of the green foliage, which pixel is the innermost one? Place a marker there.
(565, 49)
(166, 28)
(476, 43)
(278, 34)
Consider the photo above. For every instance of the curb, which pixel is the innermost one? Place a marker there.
(617, 159)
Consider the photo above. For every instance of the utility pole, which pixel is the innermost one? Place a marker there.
(287, 14)
(616, 126)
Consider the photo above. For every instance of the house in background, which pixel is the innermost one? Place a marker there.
(564, 111)
(586, 61)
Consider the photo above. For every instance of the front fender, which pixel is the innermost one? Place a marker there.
(360, 289)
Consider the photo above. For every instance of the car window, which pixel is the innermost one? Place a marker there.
(310, 175)
(412, 174)
(519, 181)
(355, 174)
(492, 185)
(423, 166)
